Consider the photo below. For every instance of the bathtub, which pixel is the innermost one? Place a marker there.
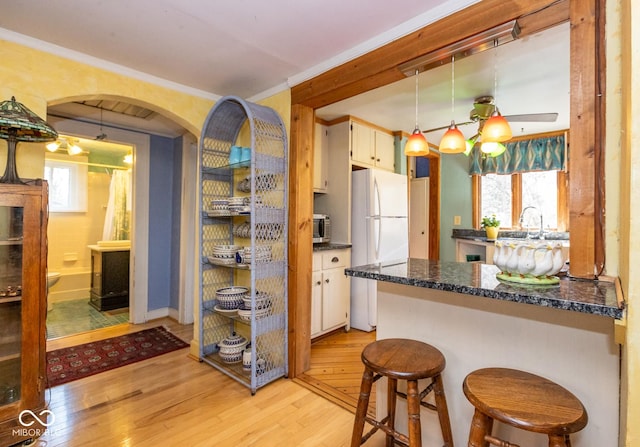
(70, 286)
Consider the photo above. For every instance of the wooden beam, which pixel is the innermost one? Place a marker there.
(300, 237)
(582, 171)
(379, 67)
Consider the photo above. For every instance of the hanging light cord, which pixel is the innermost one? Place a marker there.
(495, 70)
(417, 98)
(453, 84)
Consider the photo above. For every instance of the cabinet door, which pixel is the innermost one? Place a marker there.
(316, 303)
(362, 144)
(385, 152)
(335, 296)
(321, 158)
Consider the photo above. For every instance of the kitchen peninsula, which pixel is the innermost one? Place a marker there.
(563, 332)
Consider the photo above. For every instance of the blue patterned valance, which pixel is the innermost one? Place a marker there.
(539, 154)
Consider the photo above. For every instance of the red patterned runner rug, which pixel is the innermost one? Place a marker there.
(73, 363)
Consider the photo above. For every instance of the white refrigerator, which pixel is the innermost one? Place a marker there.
(379, 233)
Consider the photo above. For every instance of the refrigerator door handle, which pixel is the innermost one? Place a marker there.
(377, 211)
(377, 228)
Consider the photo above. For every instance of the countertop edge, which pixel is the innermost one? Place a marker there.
(523, 297)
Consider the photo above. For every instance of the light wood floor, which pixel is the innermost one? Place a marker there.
(336, 368)
(173, 400)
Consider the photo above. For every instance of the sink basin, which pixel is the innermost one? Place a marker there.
(530, 261)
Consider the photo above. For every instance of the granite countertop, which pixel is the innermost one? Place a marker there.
(330, 246)
(592, 297)
(481, 235)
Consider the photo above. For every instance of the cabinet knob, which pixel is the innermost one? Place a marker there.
(327, 280)
(378, 160)
(373, 158)
(335, 259)
(318, 283)
(423, 232)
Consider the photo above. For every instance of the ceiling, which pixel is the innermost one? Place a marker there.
(254, 48)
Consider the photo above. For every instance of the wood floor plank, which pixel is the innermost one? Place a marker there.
(172, 400)
(336, 367)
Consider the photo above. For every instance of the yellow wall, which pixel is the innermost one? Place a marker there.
(629, 184)
(38, 79)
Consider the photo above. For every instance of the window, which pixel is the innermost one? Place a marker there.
(496, 198)
(507, 195)
(67, 184)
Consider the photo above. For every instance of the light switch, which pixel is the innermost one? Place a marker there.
(457, 220)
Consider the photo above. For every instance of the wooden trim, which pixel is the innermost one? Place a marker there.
(300, 235)
(476, 205)
(582, 200)
(322, 121)
(516, 199)
(555, 133)
(600, 137)
(563, 206)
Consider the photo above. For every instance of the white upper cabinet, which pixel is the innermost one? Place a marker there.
(321, 159)
(371, 147)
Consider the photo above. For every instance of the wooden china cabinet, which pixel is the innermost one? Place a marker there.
(23, 260)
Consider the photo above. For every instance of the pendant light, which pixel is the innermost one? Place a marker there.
(496, 129)
(416, 145)
(452, 141)
(492, 148)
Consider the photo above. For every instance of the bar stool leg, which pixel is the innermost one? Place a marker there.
(443, 411)
(392, 388)
(559, 441)
(481, 425)
(361, 410)
(413, 406)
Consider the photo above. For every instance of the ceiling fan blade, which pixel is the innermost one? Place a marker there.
(533, 118)
(447, 126)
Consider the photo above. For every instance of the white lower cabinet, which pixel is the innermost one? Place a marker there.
(330, 294)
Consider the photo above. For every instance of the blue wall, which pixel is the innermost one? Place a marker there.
(455, 200)
(161, 192)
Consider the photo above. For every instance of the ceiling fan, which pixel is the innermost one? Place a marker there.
(483, 108)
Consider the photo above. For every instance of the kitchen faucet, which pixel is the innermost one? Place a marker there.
(521, 221)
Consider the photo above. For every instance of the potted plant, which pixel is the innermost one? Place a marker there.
(491, 225)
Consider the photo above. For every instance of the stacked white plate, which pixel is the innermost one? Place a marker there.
(219, 207)
(231, 297)
(239, 204)
(259, 253)
(224, 254)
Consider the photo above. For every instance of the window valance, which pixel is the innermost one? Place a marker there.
(538, 154)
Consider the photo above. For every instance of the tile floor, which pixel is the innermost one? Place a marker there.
(75, 316)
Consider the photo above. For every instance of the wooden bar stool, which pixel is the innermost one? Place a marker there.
(524, 401)
(401, 359)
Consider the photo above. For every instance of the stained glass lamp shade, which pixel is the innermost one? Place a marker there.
(18, 123)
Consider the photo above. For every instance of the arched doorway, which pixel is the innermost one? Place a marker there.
(163, 198)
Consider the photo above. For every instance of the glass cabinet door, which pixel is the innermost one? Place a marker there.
(11, 232)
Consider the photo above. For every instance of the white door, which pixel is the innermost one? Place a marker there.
(419, 218)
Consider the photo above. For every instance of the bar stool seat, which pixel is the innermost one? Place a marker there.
(402, 359)
(522, 400)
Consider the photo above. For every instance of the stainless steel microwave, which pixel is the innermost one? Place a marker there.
(321, 228)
